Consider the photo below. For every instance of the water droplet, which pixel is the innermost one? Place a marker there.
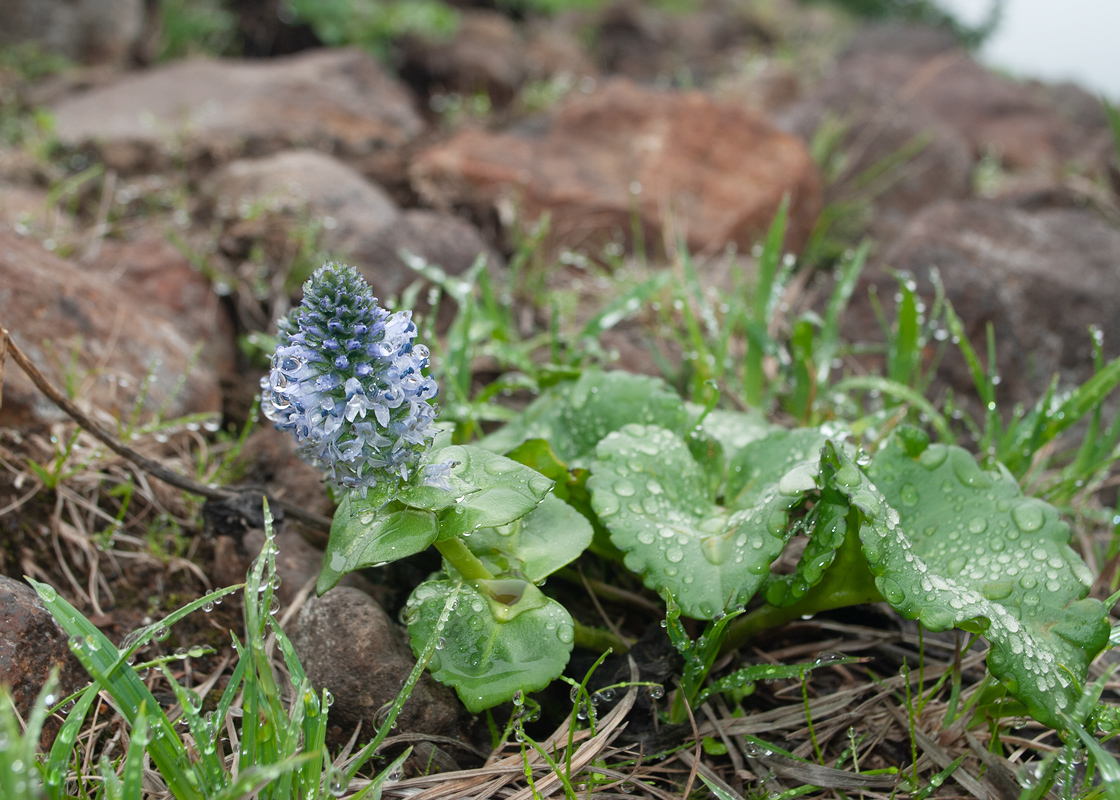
(674, 554)
(891, 590)
(978, 525)
(1028, 517)
(908, 494)
(624, 488)
(656, 691)
(47, 593)
(208, 607)
(566, 633)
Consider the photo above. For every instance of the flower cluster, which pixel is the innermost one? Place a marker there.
(348, 382)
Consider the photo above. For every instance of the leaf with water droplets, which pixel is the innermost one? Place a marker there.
(574, 416)
(504, 636)
(544, 540)
(652, 496)
(361, 537)
(764, 462)
(504, 491)
(952, 544)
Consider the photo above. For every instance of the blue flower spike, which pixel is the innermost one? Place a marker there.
(348, 382)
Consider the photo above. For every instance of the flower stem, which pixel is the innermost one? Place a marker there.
(463, 560)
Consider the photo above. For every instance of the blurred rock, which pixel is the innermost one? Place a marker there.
(649, 44)
(898, 69)
(98, 339)
(486, 54)
(583, 164)
(84, 31)
(211, 111)
(1041, 278)
(362, 225)
(348, 644)
(31, 645)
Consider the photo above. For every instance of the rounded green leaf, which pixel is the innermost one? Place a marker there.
(503, 636)
(504, 491)
(574, 416)
(652, 496)
(954, 545)
(365, 537)
(548, 537)
(761, 463)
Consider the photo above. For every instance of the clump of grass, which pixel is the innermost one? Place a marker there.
(281, 755)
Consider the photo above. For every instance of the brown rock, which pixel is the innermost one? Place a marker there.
(87, 31)
(718, 172)
(56, 312)
(365, 227)
(1040, 278)
(332, 100)
(348, 644)
(31, 645)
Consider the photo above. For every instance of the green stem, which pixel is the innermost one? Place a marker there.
(598, 639)
(463, 560)
(848, 582)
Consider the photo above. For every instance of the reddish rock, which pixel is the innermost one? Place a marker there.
(94, 337)
(717, 171)
(348, 644)
(31, 645)
(337, 101)
(1041, 278)
(155, 272)
(364, 227)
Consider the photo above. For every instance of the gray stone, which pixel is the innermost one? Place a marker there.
(348, 644)
(361, 224)
(1040, 278)
(211, 111)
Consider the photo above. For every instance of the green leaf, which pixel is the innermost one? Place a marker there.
(652, 496)
(954, 545)
(575, 416)
(544, 540)
(505, 491)
(363, 537)
(503, 636)
(487, 490)
(762, 463)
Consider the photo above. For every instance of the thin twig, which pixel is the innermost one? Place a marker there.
(151, 466)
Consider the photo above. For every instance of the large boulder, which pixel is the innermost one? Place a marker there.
(717, 172)
(1039, 277)
(363, 225)
(95, 339)
(338, 101)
